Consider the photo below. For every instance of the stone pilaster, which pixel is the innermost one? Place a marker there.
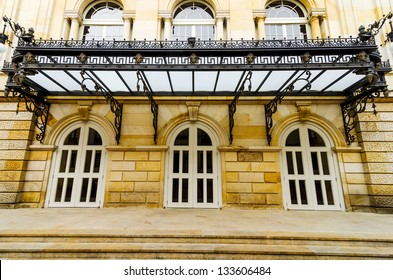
(16, 132)
(376, 137)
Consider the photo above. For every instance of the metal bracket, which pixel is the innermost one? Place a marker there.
(232, 105)
(34, 104)
(271, 107)
(153, 104)
(116, 106)
(352, 107)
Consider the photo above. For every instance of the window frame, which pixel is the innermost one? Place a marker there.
(101, 22)
(283, 22)
(194, 22)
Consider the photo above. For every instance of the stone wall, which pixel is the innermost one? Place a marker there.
(135, 177)
(16, 130)
(376, 138)
(251, 178)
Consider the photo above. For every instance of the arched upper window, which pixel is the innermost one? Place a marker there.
(285, 20)
(193, 19)
(103, 20)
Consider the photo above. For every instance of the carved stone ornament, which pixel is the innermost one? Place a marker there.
(193, 109)
(84, 109)
(82, 58)
(19, 77)
(250, 58)
(138, 58)
(304, 109)
(194, 58)
(30, 58)
(362, 56)
(306, 58)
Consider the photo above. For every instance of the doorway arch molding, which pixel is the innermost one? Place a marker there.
(334, 133)
(108, 129)
(166, 132)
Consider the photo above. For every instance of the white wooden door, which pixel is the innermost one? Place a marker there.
(78, 172)
(310, 178)
(192, 177)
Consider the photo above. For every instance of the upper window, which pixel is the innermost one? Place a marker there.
(103, 20)
(193, 19)
(285, 20)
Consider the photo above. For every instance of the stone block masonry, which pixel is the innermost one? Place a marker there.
(135, 177)
(16, 133)
(377, 155)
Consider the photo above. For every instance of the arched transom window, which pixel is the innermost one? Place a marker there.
(103, 20)
(285, 20)
(193, 19)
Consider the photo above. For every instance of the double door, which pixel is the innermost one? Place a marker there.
(192, 170)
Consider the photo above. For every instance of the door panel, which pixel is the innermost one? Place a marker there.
(192, 175)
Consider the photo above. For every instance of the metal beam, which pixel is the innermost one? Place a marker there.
(232, 105)
(116, 107)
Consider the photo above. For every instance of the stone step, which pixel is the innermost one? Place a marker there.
(277, 239)
(101, 245)
(72, 250)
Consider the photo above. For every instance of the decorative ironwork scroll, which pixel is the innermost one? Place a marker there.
(271, 107)
(232, 105)
(153, 103)
(352, 107)
(34, 104)
(116, 106)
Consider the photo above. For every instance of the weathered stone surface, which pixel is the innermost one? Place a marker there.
(274, 199)
(153, 198)
(147, 186)
(266, 188)
(248, 177)
(232, 176)
(155, 156)
(116, 176)
(249, 156)
(9, 186)
(264, 166)
(380, 179)
(381, 190)
(270, 156)
(116, 155)
(230, 156)
(233, 198)
(120, 186)
(8, 198)
(136, 156)
(30, 197)
(239, 187)
(111, 197)
(154, 177)
(253, 198)
(135, 176)
(359, 200)
(133, 197)
(272, 177)
(381, 201)
(148, 166)
(238, 166)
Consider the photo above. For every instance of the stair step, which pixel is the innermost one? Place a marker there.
(199, 239)
(188, 251)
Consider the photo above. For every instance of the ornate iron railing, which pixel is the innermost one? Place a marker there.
(199, 44)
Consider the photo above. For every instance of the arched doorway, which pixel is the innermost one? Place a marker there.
(78, 168)
(193, 175)
(309, 170)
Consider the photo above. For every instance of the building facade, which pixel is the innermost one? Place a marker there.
(197, 104)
